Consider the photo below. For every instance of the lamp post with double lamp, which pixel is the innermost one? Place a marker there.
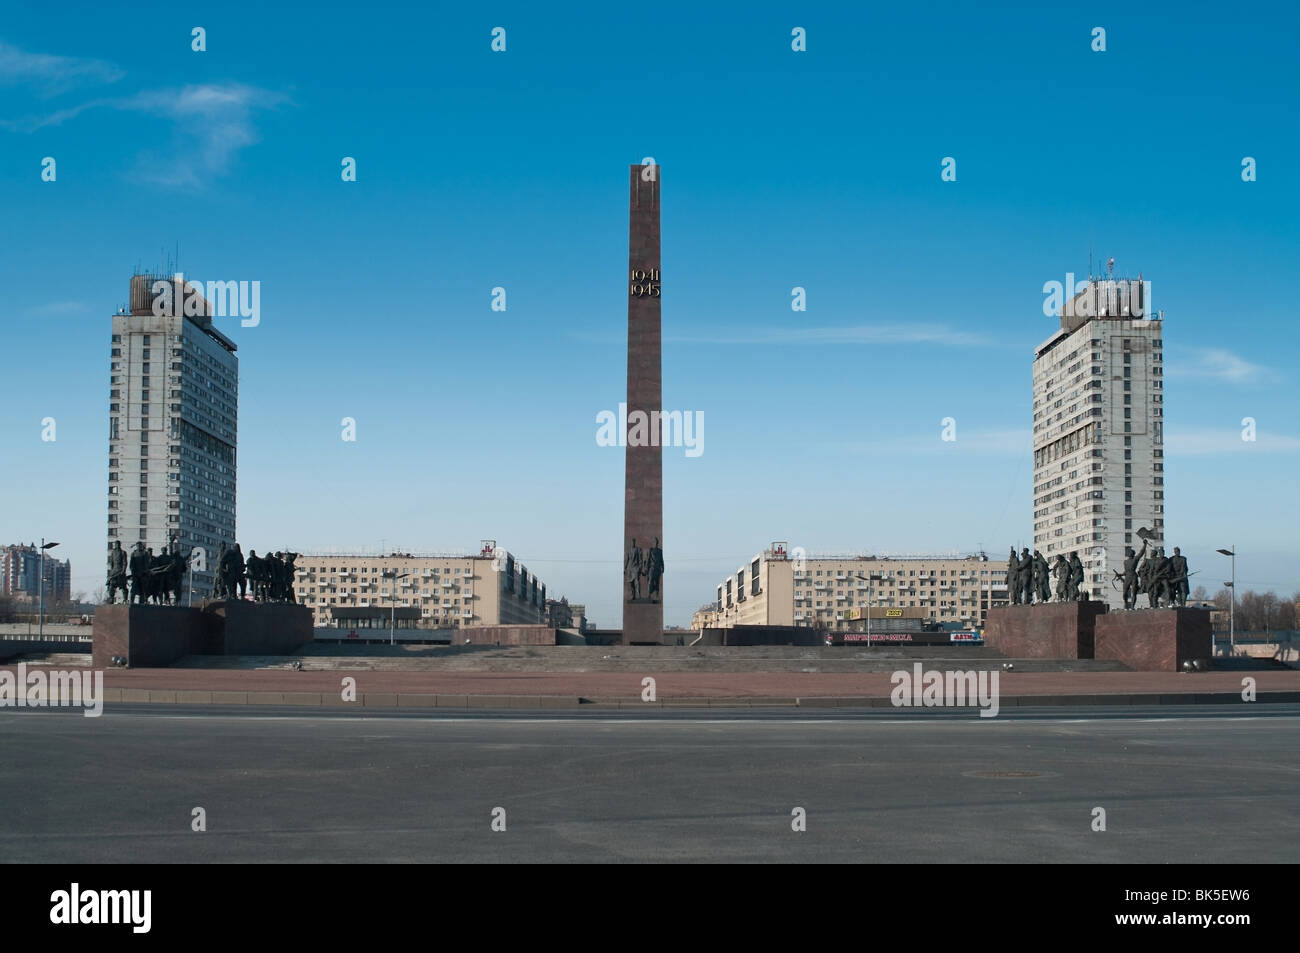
(392, 621)
(1232, 601)
(874, 577)
(41, 585)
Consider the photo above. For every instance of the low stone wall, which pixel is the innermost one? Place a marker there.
(508, 635)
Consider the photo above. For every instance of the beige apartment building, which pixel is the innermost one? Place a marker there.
(780, 586)
(1099, 468)
(428, 591)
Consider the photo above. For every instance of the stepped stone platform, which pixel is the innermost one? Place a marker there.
(502, 690)
(637, 658)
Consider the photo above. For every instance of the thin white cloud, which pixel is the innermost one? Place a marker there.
(211, 122)
(1225, 441)
(50, 75)
(1220, 365)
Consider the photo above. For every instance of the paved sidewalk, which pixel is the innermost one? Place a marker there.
(624, 689)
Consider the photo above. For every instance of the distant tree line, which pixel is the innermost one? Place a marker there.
(23, 610)
(1256, 611)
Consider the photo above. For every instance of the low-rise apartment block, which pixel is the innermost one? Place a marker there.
(446, 591)
(784, 587)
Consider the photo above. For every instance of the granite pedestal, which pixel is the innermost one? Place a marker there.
(1058, 630)
(147, 636)
(155, 636)
(239, 627)
(1155, 640)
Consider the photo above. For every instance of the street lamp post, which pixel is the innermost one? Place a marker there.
(870, 596)
(392, 620)
(1232, 601)
(41, 586)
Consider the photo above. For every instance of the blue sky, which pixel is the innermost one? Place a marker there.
(818, 169)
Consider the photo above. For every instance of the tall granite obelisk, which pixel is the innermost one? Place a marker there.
(643, 496)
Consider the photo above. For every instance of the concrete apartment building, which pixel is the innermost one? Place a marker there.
(172, 416)
(1099, 432)
(776, 588)
(438, 591)
(20, 574)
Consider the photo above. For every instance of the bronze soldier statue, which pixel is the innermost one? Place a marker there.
(256, 568)
(1161, 579)
(219, 586)
(1130, 577)
(235, 577)
(117, 573)
(632, 571)
(159, 573)
(139, 570)
(176, 571)
(276, 565)
(1041, 589)
(1147, 578)
(1013, 568)
(1178, 577)
(151, 575)
(1025, 576)
(289, 577)
(656, 568)
(1061, 569)
(1076, 591)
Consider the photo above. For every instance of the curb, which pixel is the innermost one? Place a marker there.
(423, 700)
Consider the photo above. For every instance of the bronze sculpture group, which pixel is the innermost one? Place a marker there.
(643, 563)
(1162, 578)
(144, 577)
(270, 577)
(1027, 578)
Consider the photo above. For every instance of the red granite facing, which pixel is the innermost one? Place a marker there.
(149, 636)
(240, 627)
(1155, 640)
(1058, 630)
(145, 635)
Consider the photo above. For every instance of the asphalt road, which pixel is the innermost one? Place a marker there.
(1177, 785)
